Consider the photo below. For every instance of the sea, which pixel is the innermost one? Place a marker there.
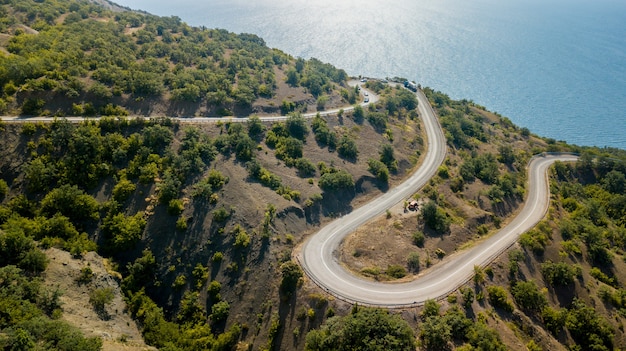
(557, 67)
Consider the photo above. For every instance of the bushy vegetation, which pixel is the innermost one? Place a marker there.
(30, 310)
(363, 329)
(454, 327)
(435, 217)
(115, 180)
(98, 60)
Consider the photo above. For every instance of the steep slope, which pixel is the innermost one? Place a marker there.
(201, 220)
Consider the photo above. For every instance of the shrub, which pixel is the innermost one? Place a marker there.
(560, 273)
(378, 169)
(305, 167)
(242, 239)
(221, 215)
(419, 238)
(435, 217)
(378, 120)
(534, 240)
(86, 275)
(413, 261)
(32, 107)
(181, 224)
(175, 207)
(336, 181)
(180, 281)
(216, 179)
(395, 271)
(217, 257)
(528, 297)
(443, 172)
(100, 298)
(498, 298)
(220, 311)
(363, 329)
(297, 126)
(123, 189)
(440, 253)
(347, 147)
(291, 275)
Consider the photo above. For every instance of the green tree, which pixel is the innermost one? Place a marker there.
(336, 181)
(387, 156)
(220, 311)
(498, 298)
(255, 127)
(378, 169)
(559, 274)
(614, 182)
(435, 217)
(507, 155)
(413, 261)
(435, 333)
(292, 77)
(4, 189)
(123, 189)
(123, 232)
(431, 309)
(305, 167)
(297, 126)
(291, 275)
(482, 337)
(100, 298)
(71, 202)
(358, 114)
(591, 331)
(363, 329)
(347, 147)
(528, 297)
(157, 138)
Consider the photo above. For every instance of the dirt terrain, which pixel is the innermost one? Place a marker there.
(116, 328)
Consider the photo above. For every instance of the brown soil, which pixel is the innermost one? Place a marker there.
(388, 239)
(117, 330)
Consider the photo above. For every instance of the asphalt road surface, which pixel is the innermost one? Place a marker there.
(319, 256)
(372, 98)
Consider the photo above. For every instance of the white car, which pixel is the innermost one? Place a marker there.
(365, 93)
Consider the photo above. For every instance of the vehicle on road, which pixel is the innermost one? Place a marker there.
(410, 85)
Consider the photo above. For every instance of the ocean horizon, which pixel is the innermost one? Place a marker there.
(556, 67)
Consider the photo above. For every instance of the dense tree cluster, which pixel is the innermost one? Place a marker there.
(99, 60)
(363, 329)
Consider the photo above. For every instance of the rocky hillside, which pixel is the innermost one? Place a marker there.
(200, 220)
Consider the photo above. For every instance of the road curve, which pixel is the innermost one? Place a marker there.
(319, 256)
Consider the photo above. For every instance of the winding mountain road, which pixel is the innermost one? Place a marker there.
(319, 256)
